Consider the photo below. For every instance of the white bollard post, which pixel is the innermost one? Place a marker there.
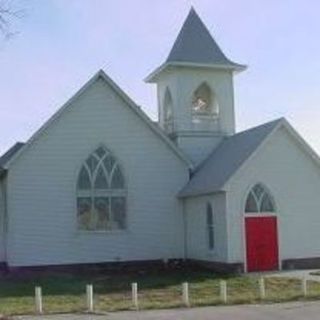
(185, 294)
(135, 302)
(38, 300)
(223, 291)
(89, 290)
(262, 288)
(304, 286)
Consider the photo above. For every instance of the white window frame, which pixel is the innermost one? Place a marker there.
(258, 201)
(108, 193)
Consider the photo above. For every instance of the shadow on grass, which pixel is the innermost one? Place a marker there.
(65, 292)
(69, 284)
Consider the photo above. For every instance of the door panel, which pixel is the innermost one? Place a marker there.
(261, 243)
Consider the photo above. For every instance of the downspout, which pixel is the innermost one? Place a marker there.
(228, 231)
(5, 220)
(185, 230)
(3, 190)
(185, 223)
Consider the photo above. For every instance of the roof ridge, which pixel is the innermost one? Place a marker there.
(278, 120)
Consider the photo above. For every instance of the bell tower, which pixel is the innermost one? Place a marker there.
(195, 91)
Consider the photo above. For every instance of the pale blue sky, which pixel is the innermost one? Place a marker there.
(62, 43)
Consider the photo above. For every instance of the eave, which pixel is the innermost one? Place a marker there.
(154, 75)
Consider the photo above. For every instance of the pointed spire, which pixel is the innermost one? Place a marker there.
(195, 44)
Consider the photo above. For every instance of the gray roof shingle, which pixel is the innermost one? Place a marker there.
(195, 44)
(226, 159)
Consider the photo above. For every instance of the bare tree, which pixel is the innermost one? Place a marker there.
(8, 15)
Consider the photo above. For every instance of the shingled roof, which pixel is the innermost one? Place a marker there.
(195, 44)
(226, 159)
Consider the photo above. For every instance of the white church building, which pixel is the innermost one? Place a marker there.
(102, 183)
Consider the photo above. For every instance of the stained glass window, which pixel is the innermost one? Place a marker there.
(259, 200)
(101, 193)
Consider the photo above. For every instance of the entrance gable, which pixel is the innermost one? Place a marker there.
(291, 172)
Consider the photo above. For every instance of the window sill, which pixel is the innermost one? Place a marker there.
(206, 118)
(101, 232)
(205, 115)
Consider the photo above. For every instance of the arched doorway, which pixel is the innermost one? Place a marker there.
(261, 230)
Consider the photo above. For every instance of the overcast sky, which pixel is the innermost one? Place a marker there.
(62, 43)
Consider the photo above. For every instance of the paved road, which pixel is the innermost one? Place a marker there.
(299, 274)
(286, 311)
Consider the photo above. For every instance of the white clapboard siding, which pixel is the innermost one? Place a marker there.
(197, 229)
(42, 188)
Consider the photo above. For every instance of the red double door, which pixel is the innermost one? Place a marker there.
(262, 243)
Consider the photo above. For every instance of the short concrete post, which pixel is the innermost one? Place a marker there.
(134, 290)
(38, 300)
(223, 291)
(89, 290)
(185, 294)
(262, 289)
(304, 286)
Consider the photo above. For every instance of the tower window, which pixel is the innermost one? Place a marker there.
(204, 102)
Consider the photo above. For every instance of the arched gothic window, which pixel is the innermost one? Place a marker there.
(101, 193)
(259, 200)
(168, 111)
(204, 101)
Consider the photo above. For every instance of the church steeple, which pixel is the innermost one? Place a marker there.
(195, 44)
(195, 90)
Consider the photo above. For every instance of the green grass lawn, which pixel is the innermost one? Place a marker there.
(66, 292)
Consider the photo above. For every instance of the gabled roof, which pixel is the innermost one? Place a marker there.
(226, 159)
(195, 47)
(128, 102)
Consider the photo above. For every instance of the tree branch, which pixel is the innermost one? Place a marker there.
(7, 17)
